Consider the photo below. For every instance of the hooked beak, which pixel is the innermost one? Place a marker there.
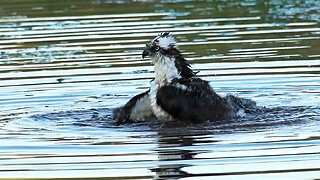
(146, 52)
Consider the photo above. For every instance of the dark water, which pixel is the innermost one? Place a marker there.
(66, 64)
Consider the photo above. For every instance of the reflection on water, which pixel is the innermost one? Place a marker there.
(65, 65)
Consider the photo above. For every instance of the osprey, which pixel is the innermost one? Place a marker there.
(176, 93)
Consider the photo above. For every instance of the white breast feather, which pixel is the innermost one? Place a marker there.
(165, 70)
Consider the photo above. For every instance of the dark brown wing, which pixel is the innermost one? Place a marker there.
(195, 101)
(122, 114)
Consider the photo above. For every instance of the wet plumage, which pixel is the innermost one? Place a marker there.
(176, 93)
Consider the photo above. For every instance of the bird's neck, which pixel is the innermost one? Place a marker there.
(165, 70)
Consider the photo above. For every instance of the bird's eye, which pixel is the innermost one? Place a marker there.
(157, 48)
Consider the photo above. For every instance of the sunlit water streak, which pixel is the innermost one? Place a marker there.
(60, 78)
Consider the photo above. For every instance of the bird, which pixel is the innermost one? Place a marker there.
(176, 93)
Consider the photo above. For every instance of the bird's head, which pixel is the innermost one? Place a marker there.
(161, 46)
(163, 49)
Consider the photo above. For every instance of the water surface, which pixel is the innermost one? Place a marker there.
(65, 65)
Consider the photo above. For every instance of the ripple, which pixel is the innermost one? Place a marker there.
(65, 66)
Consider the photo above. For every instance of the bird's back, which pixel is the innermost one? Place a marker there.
(192, 99)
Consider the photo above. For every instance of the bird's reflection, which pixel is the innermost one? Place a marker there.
(173, 151)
